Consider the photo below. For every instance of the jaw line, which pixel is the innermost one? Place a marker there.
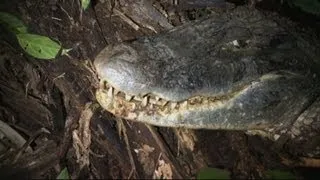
(123, 105)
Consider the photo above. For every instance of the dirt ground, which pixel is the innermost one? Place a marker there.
(51, 104)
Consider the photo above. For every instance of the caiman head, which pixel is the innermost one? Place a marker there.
(234, 71)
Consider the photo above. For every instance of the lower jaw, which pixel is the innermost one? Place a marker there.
(210, 116)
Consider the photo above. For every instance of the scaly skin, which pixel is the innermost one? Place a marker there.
(239, 70)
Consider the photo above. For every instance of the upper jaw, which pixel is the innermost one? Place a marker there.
(119, 66)
(131, 71)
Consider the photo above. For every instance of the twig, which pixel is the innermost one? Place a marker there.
(70, 18)
(27, 144)
(96, 155)
(13, 135)
(126, 19)
(26, 89)
(126, 140)
(60, 76)
(178, 170)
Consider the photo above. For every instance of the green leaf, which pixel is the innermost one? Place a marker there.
(213, 173)
(277, 174)
(12, 23)
(64, 174)
(85, 4)
(38, 46)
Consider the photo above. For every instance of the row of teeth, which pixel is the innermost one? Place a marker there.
(154, 100)
(145, 99)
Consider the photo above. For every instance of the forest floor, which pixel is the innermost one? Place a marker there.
(51, 104)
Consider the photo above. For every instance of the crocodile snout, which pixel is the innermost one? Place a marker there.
(116, 64)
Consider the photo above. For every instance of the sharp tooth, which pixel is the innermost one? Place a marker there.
(128, 97)
(152, 101)
(159, 103)
(133, 106)
(173, 105)
(164, 103)
(184, 104)
(110, 91)
(157, 98)
(145, 101)
(137, 98)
